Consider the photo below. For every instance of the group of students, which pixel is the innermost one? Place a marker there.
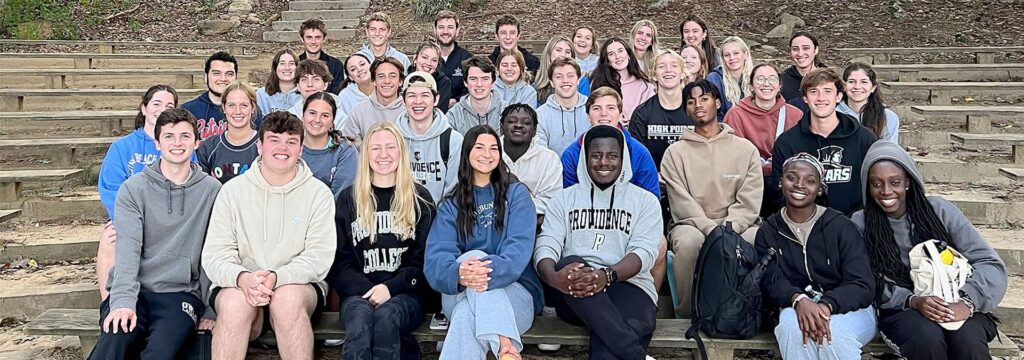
(451, 182)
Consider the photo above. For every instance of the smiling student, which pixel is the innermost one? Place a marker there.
(384, 105)
(732, 78)
(584, 43)
(481, 106)
(330, 157)
(562, 119)
(313, 35)
(430, 137)
(378, 35)
(230, 154)
(618, 69)
(507, 33)
(643, 40)
(427, 59)
(314, 77)
(803, 50)
(559, 47)
(513, 85)
(693, 30)
(446, 29)
(696, 63)
(358, 84)
(221, 69)
(863, 101)
(280, 91)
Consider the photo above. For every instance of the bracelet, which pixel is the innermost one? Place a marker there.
(798, 298)
(608, 278)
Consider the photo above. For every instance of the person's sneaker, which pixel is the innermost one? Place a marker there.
(650, 357)
(548, 312)
(334, 342)
(440, 344)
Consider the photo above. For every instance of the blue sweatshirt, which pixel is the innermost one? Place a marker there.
(510, 249)
(127, 156)
(716, 77)
(209, 116)
(645, 173)
(335, 166)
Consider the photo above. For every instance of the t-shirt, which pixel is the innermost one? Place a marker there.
(224, 160)
(657, 128)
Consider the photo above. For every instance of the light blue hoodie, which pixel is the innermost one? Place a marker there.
(892, 122)
(127, 156)
(391, 52)
(559, 127)
(518, 93)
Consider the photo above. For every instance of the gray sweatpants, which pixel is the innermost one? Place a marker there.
(477, 319)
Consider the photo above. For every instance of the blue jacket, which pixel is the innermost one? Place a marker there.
(645, 173)
(715, 77)
(127, 156)
(510, 249)
(209, 116)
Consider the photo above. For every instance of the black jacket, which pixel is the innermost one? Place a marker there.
(791, 84)
(835, 255)
(452, 68)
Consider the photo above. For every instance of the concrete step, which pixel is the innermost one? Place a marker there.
(42, 125)
(78, 203)
(100, 78)
(122, 61)
(328, 5)
(291, 36)
(1012, 173)
(48, 242)
(53, 152)
(1011, 310)
(293, 25)
(322, 14)
(28, 291)
(78, 99)
(8, 215)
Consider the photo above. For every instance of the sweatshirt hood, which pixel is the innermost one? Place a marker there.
(302, 174)
(396, 103)
(885, 150)
(691, 135)
(625, 174)
(749, 105)
(437, 127)
(157, 178)
(847, 127)
(581, 102)
(464, 106)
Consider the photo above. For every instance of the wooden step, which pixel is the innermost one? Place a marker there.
(978, 118)
(982, 54)
(11, 180)
(108, 47)
(1016, 141)
(77, 99)
(122, 61)
(99, 78)
(950, 72)
(9, 214)
(941, 93)
(1012, 174)
(113, 121)
(62, 151)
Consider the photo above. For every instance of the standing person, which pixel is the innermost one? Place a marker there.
(446, 29)
(230, 154)
(378, 46)
(384, 105)
(863, 101)
(331, 158)
(429, 135)
(559, 47)
(838, 140)
(427, 60)
(643, 40)
(152, 312)
(696, 63)
(584, 43)
(618, 69)
(481, 106)
(898, 215)
(128, 156)
(514, 85)
(694, 31)
(382, 223)
(220, 70)
(269, 247)
(280, 91)
(761, 118)
(313, 34)
(313, 78)
(826, 310)
(507, 33)
(803, 50)
(732, 78)
(661, 120)
(358, 84)
(713, 177)
(534, 165)
(562, 119)
(478, 255)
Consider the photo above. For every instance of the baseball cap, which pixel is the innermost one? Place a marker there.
(428, 81)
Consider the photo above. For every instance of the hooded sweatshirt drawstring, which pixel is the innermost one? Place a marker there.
(169, 201)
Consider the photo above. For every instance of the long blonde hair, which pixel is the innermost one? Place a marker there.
(405, 204)
(647, 60)
(542, 81)
(733, 92)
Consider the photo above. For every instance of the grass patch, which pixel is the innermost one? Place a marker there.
(56, 19)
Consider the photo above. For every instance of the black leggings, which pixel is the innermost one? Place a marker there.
(920, 338)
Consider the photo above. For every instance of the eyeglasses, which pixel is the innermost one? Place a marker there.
(770, 80)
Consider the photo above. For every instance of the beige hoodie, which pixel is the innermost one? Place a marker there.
(255, 226)
(711, 181)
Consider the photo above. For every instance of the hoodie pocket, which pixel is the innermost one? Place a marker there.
(165, 272)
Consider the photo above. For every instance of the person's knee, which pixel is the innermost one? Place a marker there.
(966, 345)
(788, 324)
(291, 304)
(686, 240)
(662, 251)
(232, 308)
(924, 345)
(750, 234)
(472, 253)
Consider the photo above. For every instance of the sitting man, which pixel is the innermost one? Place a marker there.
(270, 244)
(535, 165)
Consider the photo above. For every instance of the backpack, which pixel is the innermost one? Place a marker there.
(446, 145)
(726, 294)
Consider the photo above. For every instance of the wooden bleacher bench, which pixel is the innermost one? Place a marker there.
(669, 333)
(112, 120)
(1012, 174)
(979, 118)
(982, 54)
(915, 72)
(95, 60)
(9, 214)
(11, 180)
(1016, 141)
(63, 149)
(941, 93)
(14, 99)
(110, 47)
(59, 78)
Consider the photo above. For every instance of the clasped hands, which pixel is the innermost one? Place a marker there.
(580, 281)
(258, 286)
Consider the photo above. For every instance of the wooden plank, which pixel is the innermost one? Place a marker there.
(1008, 139)
(97, 72)
(199, 58)
(926, 85)
(22, 144)
(9, 214)
(9, 176)
(182, 93)
(80, 115)
(967, 110)
(188, 44)
(1012, 174)
(949, 67)
(937, 49)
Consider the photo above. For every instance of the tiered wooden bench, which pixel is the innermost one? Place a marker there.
(100, 78)
(982, 54)
(9, 214)
(121, 61)
(941, 93)
(112, 120)
(1016, 141)
(74, 99)
(669, 333)
(111, 47)
(1012, 174)
(63, 150)
(950, 72)
(979, 118)
(11, 180)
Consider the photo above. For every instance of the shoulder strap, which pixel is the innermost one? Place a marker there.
(445, 144)
(782, 122)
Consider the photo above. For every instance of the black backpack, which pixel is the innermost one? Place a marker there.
(726, 294)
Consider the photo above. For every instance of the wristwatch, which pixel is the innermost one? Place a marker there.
(967, 301)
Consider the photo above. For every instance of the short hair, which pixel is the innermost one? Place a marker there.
(516, 107)
(820, 76)
(387, 60)
(313, 67)
(524, 74)
(282, 122)
(174, 116)
(313, 24)
(705, 87)
(481, 62)
(564, 62)
(601, 92)
(220, 56)
(601, 132)
(446, 14)
(378, 16)
(506, 20)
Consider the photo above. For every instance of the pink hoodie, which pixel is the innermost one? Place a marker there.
(634, 93)
(758, 125)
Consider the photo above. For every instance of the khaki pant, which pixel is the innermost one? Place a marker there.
(686, 242)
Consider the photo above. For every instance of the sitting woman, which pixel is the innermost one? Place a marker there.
(513, 84)
(897, 215)
(821, 277)
(384, 213)
(478, 255)
(331, 158)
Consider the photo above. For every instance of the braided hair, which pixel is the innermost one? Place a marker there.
(885, 254)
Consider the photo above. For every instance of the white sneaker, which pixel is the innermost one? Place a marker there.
(334, 342)
(650, 357)
(440, 344)
(548, 312)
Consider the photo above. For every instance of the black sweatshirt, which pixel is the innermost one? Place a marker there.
(397, 263)
(835, 256)
(657, 127)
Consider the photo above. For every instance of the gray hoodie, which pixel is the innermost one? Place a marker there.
(987, 283)
(429, 168)
(462, 117)
(558, 127)
(603, 226)
(519, 93)
(370, 112)
(390, 52)
(161, 228)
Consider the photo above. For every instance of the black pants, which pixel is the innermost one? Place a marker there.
(384, 332)
(621, 320)
(166, 324)
(920, 338)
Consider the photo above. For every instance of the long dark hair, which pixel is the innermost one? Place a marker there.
(273, 82)
(885, 254)
(348, 78)
(873, 113)
(463, 194)
(708, 45)
(814, 41)
(605, 75)
(140, 118)
(334, 134)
